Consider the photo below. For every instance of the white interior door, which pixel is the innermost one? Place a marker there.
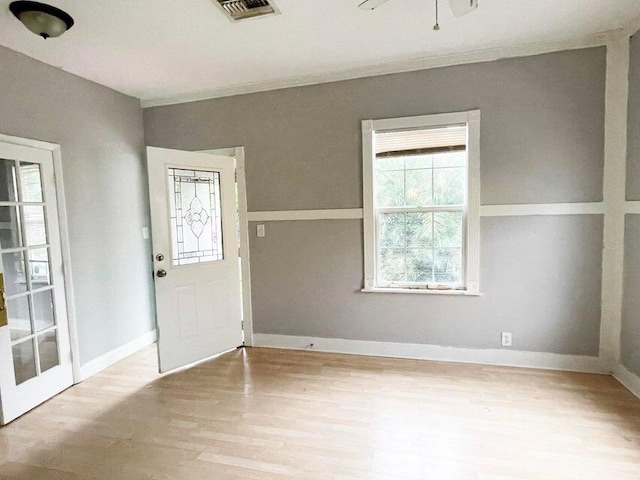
(195, 250)
(35, 355)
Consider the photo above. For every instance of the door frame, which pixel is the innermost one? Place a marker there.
(241, 182)
(56, 154)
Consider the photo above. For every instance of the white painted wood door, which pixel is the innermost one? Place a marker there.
(195, 250)
(35, 354)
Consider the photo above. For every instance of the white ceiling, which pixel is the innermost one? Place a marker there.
(162, 48)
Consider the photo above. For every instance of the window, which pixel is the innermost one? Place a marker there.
(421, 203)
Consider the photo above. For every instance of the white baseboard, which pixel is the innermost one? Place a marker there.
(98, 364)
(630, 380)
(511, 358)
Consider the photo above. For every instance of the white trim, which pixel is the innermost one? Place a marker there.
(628, 379)
(247, 311)
(515, 210)
(471, 249)
(505, 357)
(614, 182)
(632, 207)
(65, 248)
(243, 217)
(285, 215)
(589, 208)
(108, 359)
(422, 291)
(410, 65)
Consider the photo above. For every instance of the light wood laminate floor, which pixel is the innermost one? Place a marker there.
(275, 414)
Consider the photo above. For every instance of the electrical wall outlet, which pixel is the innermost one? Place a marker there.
(506, 339)
(260, 231)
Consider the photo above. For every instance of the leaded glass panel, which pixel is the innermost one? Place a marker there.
(196, 220)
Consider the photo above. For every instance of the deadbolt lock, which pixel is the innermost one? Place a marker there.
(159, 257)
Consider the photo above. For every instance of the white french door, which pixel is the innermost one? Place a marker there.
(195, 250)
(35, 355)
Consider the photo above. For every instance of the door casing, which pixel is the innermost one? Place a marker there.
(247, 316)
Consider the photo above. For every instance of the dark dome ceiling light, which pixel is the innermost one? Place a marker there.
(41, 19)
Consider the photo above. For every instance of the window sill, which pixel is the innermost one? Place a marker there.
(422, 291)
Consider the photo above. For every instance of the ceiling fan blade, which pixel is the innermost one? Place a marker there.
(371, 4)
(462, 7)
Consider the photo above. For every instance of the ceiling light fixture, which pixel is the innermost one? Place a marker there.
(41, 19)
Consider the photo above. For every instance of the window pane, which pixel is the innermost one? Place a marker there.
(196, 216)
(448, 186)
(43, 315)
(418, 161)
(390, 189)
(30, 182)
(8, 191)
(448, 229)
(34, 226)
(19, 317)
(24, 361)
(419, 190)
(447, 265)
(420, 265)
(391, 230)
(450, 159)
(10, 228)
(48, 350)
(39, 267)
(419, 229)
(14, 277)
(390, 163)
(392, 264)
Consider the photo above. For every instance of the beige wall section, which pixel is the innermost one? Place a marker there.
(541, 141)
(100, 133)
(542, 129)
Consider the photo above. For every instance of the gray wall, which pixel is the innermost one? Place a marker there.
(633, 126)
(101, 135)
(630, 340)
(541, 142)
(630, 345)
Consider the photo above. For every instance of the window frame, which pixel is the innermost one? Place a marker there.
(471, 212)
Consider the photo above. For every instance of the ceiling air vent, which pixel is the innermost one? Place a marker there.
(243, 9)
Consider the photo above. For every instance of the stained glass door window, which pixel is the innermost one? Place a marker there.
(196, 221)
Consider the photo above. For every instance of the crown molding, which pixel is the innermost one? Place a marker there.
(410, 65)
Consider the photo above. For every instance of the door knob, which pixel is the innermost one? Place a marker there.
(161, 273)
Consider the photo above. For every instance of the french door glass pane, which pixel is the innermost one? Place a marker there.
(8, 191)
(39, 267)
(43, 310)
(196, 221)
(10, 228)
(24, 361)
(48, 350)
(30, 182)
(34, 225)
(30, 313)
(14, 273)
(19, 316)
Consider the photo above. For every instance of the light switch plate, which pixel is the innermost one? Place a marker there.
(260, 231)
